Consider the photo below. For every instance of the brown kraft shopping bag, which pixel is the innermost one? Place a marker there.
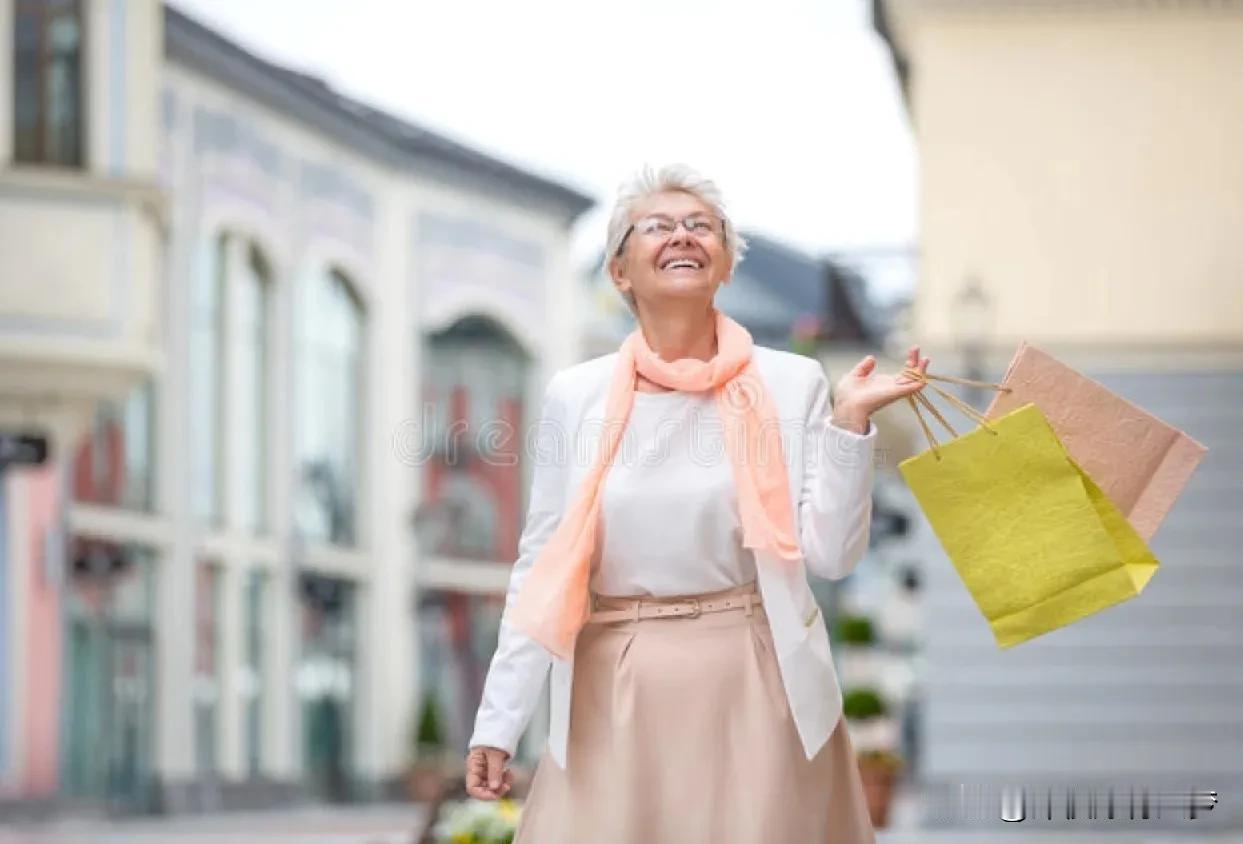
(1137, 460)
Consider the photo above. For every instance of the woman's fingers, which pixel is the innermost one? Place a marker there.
(496, 766)
(476, 775)
(486, 775)
(865, 366)
(476, 787)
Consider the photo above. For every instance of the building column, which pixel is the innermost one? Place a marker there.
(230, 750)
(6, 81)
(8, 632)
(386, 620)
(282, 722)
(174, 633)
(232, 737)
(282, 757)
(174, 569)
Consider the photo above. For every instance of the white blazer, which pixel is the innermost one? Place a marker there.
(831, 473)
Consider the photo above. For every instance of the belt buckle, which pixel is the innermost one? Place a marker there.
(697, 610)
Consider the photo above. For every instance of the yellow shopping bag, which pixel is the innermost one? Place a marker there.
(1036, 542)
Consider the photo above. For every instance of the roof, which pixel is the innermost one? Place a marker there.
(772, 287)
(855, 316)
(882, 22)
(369, 130)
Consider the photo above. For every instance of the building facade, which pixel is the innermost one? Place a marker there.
(1079, 170)
(283, 348)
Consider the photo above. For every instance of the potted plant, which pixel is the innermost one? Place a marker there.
(863, 703)
(866, 712)
(854, 631)
(855, 639)
(425, 780)
(879, 769)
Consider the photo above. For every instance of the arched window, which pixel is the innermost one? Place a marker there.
(229, 326)
(206, 391)
(330, 408)
(114, 465)
(251, 329)
(476, 377)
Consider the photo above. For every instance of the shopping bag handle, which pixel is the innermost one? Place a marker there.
(916, 399)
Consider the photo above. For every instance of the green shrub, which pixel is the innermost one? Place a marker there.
(428, 733)
(863, 703)
(855, 630)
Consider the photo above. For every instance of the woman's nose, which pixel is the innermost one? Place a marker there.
(680, 234)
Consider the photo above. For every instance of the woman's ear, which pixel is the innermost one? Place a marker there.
(617, 273)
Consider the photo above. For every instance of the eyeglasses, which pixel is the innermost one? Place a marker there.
(702, 226)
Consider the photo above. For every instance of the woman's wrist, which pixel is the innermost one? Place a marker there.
(850, 418)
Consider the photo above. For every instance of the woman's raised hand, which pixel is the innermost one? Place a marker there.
(862, 391)
(487, 776)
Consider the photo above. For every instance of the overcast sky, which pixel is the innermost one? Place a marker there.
(791, 105)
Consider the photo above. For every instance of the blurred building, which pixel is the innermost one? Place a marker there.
(265, 333)
(1080, 190)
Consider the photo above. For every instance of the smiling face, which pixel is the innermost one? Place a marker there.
(658, 266)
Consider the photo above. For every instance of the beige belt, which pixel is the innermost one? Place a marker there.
(638, 608)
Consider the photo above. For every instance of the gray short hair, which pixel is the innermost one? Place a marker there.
(670, 177)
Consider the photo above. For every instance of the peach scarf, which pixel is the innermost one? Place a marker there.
(553, 599)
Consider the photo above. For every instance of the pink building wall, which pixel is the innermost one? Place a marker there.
(41, 650)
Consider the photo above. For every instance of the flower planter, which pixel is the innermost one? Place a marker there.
(879, 771)
(477, 822)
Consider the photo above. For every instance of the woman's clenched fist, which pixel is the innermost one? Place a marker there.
(487, 778)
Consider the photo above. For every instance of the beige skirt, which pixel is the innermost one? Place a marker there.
(680, 731)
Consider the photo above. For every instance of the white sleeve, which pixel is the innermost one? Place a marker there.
(520, 664)
(835, 505)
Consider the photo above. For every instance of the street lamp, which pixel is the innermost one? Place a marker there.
(972, 322)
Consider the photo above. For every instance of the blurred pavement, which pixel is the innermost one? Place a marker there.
(397, 823)
(376, 824)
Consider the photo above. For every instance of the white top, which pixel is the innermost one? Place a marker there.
(670, 524)
(669, 515)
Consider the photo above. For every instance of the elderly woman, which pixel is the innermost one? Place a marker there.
(661, 580)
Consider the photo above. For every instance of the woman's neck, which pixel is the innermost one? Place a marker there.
(673, 335)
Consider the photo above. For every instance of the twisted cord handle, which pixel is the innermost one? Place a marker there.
(916, 399)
